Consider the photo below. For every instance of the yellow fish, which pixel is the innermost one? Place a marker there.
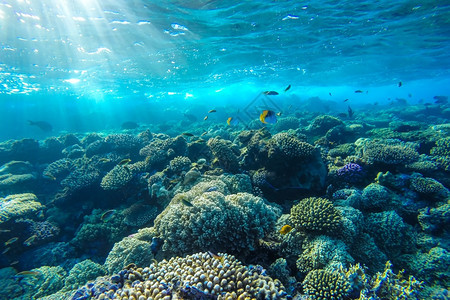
(107, 215)
(49, 176)
(124, 162)
(11, 240)
(218, 257)
(268, 116)
(285, 229)
(212, 111)
(30, 240)
(104, 160)
(205, 118)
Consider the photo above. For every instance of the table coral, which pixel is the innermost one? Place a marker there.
(316, 215)
(19, 206)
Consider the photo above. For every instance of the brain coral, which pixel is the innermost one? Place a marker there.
(326, 285)
(214, 221)
(197, 276)
(19, 206)
(315, 215)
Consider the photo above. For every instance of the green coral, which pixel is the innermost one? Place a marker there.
(321, 124)
(425, 185)
(434, 219)
(323, 252)
(180, 164)
(81, 273)
(286, 146)
(442, 147)
(117, 178)
(50, 280)
(391, 152)
(19, 206)
(139, 214)
(127, 251)
(315, 215)
(326, 285)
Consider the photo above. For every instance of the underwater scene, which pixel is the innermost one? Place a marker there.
(213, 149)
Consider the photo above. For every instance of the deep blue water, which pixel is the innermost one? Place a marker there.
(91, 65)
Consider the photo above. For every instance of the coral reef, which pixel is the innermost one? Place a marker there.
(390, 152)
(81, 273)
(19, 206)
(117, 178)
(321, 124)
(224, 154)
(197, 276)
(127, 251)
(324, 285)
(316, 215)
(139, 214)
(213, 221)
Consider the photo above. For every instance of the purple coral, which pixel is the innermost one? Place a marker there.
(351, 172)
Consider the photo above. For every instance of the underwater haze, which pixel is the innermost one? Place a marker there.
(224, 149)
(89, 65)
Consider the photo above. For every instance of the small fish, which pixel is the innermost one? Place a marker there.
(29, 241)
(205, 118)
(279, 113)
(268, 116)
(14, 263)
(400, 84)
(232, 121)
(350, 112)
(28, 273)
(329, 94)
(6, 250)
(156, 244)
(359, 92)
(11, 240)
(106, 216)
(212, 189)
(49, 176)
(104, 160)
(270, 93)
(212, 111)
(187, 203)
(124, 162)
(4, 230)
(346, 100)
(218, 257)
(285, 229)
(154, 262)
(187, 134)
(287, 89)
(204, 133)
(44, 126)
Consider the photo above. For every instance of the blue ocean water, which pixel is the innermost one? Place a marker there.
(302, 139)
(91, 65)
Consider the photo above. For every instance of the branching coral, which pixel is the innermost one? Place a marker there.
(316, 215)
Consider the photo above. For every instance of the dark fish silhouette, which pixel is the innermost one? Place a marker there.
(440, 99)
(400, 84)
(350, 112)
(270, 93)
(130, 125)
(359, 91)
(44, 126)
(287, 89)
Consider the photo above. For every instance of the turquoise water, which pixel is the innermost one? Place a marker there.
(73, 62)
(307, 141)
